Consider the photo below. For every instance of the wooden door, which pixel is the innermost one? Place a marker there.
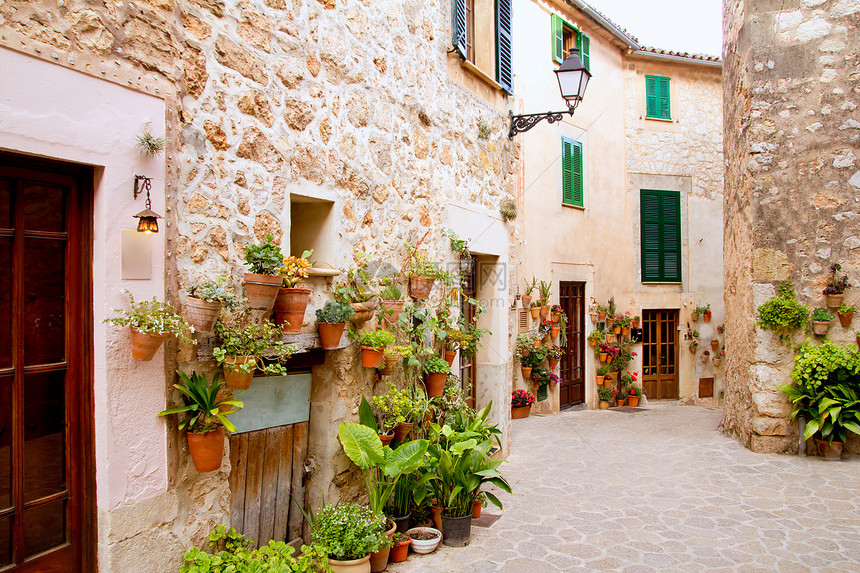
(47, 483)
(660, 354)
(572, 386)
(468, 374)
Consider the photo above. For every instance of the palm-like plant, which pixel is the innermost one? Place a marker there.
(201, 399)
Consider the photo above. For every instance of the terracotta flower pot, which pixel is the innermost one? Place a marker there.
(450, 356)
(715, 344)
(537, 343)
(553, 362)
(692, 349)
(402, 430)
(526, 371)
(420, 285)
(399, 551)
(707, 317)
(820, 327)
(202, 314)
(353, 566)
(830, 452)
(391, 310)
(386, 438)
(620, 402)
(262, 290)
(144, 345)
(600, 379)
(593, 316)
(603, 356)
(845, 319)
(290, 307)
(835, 300)
(476, 509)
(554, 330)
(556, 316)
(858, 343)
(592, 342)
(519, 412)
(625, 331)
(544, 312)
(635, 324)
(616, 329)
(330, 334)
(363, 311)
(206, 449)
(717, 361)
(526, 301)
(391, 361)
(601, 316)
(371, 357)
(535, 311)
(379, 559)
(436, 517)
(435, 383)
(604, 405)
(632, 401)
(233, 376)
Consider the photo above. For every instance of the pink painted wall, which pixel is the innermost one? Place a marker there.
(54, 112)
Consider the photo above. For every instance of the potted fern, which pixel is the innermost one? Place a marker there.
(149, 322)
(204, 302)
(240, 346)
(205, 426)
(331, 321)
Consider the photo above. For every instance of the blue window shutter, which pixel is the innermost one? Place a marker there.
(557, 39)
(458, 26)
(504, 42)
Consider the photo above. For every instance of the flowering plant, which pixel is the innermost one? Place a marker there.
(295, 269)
(541, 376)
(629, 378)
(153, 317)
(621, 394)
(605, 394)
(609, 349)
(634, 391)
(554, 351)
(836, 285)
(556, 308)
(521, 398)
(623, 320)
(554, 378)
(545, 327)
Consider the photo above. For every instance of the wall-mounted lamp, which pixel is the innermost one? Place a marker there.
(148, 218)
(572, 78)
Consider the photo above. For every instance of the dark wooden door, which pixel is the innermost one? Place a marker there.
(660, 354)
(46, 472)
(468, 373)
(572, 386)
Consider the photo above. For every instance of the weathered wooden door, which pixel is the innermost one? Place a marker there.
(660, 354)
(46, 471)
(468, 364)
(572, 386)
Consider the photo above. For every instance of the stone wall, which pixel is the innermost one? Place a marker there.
(344, 102)
(791, 89)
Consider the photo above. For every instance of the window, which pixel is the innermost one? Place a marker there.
(476, 19)
(660, 215)
(657, 104)
(565, 37)
(572, 192)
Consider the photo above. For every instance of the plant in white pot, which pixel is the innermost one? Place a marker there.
(204, 301)
(149, 322)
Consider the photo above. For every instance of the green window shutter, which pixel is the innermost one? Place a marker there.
(663, 107)
(504, 41)
(651, 96)
(657, 97)
(585, 50)
(458, 26)
(660, 217)
(572, 188)
(557, 39)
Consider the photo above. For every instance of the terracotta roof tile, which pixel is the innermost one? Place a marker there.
(702, 57)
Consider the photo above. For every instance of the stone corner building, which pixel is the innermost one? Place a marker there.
(338, 125)
(791, 90)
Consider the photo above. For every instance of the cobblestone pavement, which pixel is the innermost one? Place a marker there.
(659, 490)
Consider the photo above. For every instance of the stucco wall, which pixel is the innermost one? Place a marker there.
(792, 185)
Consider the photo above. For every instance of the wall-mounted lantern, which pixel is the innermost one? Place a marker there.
(148, 219)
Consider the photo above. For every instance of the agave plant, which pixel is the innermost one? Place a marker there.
(201, 399)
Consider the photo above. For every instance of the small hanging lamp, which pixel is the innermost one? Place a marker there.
(148, 219)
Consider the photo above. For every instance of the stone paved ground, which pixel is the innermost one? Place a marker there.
(659, 490)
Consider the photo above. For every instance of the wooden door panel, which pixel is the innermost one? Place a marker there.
(660, 354)
(572, 366)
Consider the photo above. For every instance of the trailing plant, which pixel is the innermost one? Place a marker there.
(821, 315)
(521, 399)
(524, 345)
(458, 245)
(232, 552)
(241, 337)
(508, 209)
(334, 312)
(149, 144)
(152, 317)
(783, 313)
(605, 394)
(815, 364)
(348, 531)
(216, 291)
(377, 339)
(294, 269)
(265, 258)
(208, 411)
(836, 285)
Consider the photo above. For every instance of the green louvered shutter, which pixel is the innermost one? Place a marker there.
(571, 173)
(504, 41)
(663, 107)
(657, 101)
(651, 96)
(585, 50)
(557, 39)
(660, 216)
(458, 26)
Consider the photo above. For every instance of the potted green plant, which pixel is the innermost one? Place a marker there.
(205, 426)
(635, 322)
(400, 549)
(358, 290)
(396, 412)
(633, 394)
(602, 310)
(715, 344)
(521, 404)
(394, 355)
(241, 343)
(262, 280)
(527, 297)
(292, 300)
(620, 397)
(422, 273)
(331, 320)
(372, 344)
(836, 287)
(554, 352)
(545, 290)
(821, 318)
(694, 345)
(436, 370)
(524, 346)
(604, 395)
(846, 313)
(349, 533)
(232, 551)
(602, 371)
(392, 302)
(783, 313)
(204, 301)
(596, 337)
(149, 321)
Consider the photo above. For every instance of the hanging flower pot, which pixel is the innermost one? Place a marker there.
(706, 356)
(363, 311)
(715, 344)
(601, 315)
(330, 334)
(553, 362)
(592, 341)
(420, 285)
(692, 348)
(635, 323)
(603, 356)
(707, 316)
(537, 343)
(261, 290)
(600, 380)
(202, 314)
(845, 319)
(544, 312)
(593, 316)
(450, 355)
(290, 307)
(143, 344)
(526, 301)
(234, 376)
(616, 328)
(556, 316)
(391, 310)
(535, 311)
(371, 357)
(820, 327)
(835, 300)
(390, 364)
(206, 449)
(385, 438)
(526, 371)
(717, 361)
(625, 331)
(435, 383)
(554, 330)
(402, 430)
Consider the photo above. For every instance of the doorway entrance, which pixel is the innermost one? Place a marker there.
(572, 387)
(660, 354)
(468, 290)
(47, 483)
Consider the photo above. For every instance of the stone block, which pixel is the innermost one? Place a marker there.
(772, 444)
(764, 426)
(759, 6)
(230, 54)
(773, 404)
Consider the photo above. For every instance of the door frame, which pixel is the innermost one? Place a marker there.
(677, 388)
(80, 356)
(571, 343)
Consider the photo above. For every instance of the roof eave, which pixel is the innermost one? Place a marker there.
(679, 59)
(614, 30)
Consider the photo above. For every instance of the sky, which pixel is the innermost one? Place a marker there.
(679, 25)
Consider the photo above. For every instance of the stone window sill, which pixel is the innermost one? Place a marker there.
(475, 70)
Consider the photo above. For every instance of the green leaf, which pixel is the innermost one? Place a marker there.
(365, 415)
(406, 458)
(361, 444)
(493, 499)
